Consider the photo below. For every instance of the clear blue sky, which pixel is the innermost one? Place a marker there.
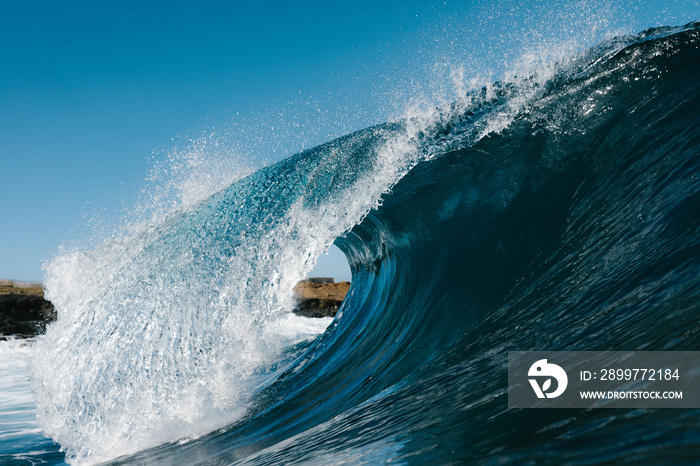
(92, 94)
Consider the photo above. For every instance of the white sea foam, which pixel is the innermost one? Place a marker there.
(17, 407)
(15, 389)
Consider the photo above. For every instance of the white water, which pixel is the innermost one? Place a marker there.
(22, 438)
(20, 434)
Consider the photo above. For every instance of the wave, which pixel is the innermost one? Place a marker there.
(557, 210)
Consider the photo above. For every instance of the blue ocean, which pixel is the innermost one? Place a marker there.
(557, 209)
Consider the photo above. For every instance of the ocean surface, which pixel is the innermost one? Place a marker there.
(553, 210)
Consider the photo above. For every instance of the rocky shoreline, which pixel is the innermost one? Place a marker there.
(24, 313)
(319, 297)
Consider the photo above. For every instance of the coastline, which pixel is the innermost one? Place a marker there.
(319, 297)
(24, 313)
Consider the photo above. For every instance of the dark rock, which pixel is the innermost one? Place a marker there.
(314, 307)
(24, 315)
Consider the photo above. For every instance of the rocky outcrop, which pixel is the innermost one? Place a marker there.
(24, 314)
(319, 298)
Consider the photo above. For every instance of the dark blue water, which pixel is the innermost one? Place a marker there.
(554, 211)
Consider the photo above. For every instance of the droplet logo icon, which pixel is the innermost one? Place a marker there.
(546, 372)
